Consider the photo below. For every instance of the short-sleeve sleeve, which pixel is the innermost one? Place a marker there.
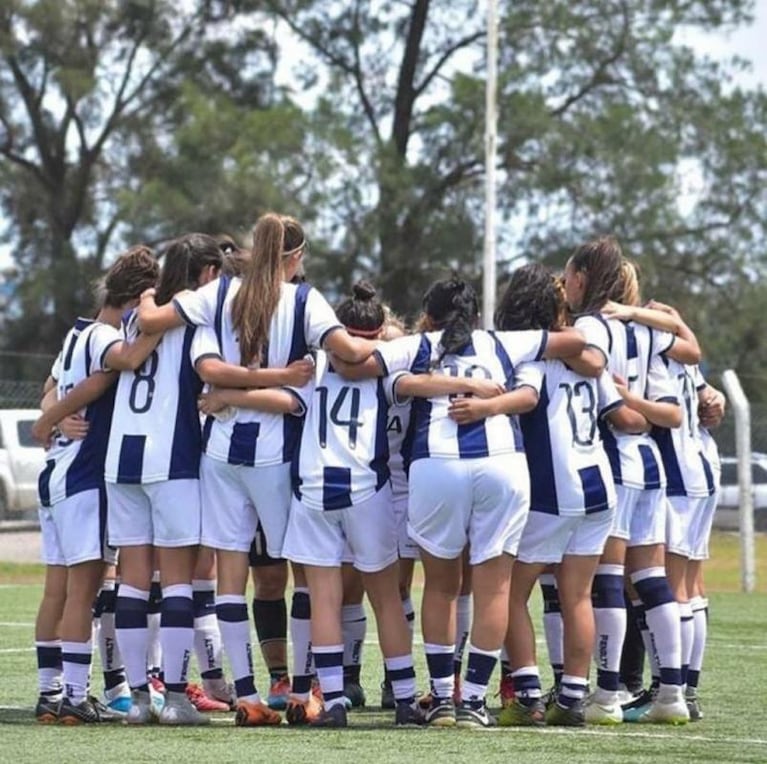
(661, 342)
(412, 353)
(204, 345)
(698, 378)
(597, 335)
(523, 346)
(198, 308)
(530, 375)
(608, 397)
(660, 386)
(319, 320)
(393, 396)
(101, 340)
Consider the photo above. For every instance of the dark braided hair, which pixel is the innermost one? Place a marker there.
(533, 299)
(601, 260)
(452, 306)
(363, 313)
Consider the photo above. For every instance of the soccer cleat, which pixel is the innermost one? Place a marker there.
(279, 690)
(506, 690)
(633, 711)
(550, 696)
(157, 684)
(441, 712)
(424, 701)
(408, 715)
(302, 712)
(471, 715)
(202, 702)
(255, 715)
(355, 695)
(669, 707)
(387, 696)
(558, 715)
(88, 711)
(335, 716)
(179, 711)
(519, 714)
(221, 690)
(693, 705)
(143, 710)
(603, 708)
(120, 705)
(47, 710)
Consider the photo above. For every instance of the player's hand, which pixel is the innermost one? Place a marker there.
(299, 373)
(663, 308)
(486, 388)
(74, 427)
(468, 410)
(711, 409)
(42, 432)
(617, 310)
(210, 402)
(619, 380)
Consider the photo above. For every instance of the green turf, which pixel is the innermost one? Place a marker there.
(734, 728)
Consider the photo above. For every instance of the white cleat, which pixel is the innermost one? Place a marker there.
(179, 710)
(603, 707)
(669, 707)
(142, 710)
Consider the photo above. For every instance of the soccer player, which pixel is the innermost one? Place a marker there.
(263, 323)
(71, 486)
(468, 484)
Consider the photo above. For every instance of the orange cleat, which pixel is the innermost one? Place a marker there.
(202, 702)
(255, 715)
(302, 712)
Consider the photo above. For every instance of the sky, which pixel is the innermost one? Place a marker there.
(747, 42)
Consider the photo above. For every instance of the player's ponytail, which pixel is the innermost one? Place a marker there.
(452, 306)
(362, 314)
(600, 261)
(274, 237)
(628, 291)
(183, 263)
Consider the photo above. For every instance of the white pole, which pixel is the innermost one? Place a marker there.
(742, 410)
(491, 122)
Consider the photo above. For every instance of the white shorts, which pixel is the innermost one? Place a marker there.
(483, 502)
(74, 530)
(165, 514)
(700, 529)
(408, 549)
(364, 535)
(235, 498)
(640, 516)
(548, 538)
(682, 511)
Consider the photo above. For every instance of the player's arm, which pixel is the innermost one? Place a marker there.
(570, 346)
(344, 347)
(218, 373)
(129, 356)
(468, 410)
(54, 411)
(657, 315)
(626, 419)
(154, 318)
(368, 369)
(660, 413)
(435, 385)
(269, 400)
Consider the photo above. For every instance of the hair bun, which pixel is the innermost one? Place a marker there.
(364, 291)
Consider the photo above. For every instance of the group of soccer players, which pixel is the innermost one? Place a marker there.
(219, 415)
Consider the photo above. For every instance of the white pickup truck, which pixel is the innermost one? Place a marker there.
(21, 460)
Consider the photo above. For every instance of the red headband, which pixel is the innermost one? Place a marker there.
(369, 333)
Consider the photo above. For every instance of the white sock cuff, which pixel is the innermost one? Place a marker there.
(526, 671)
(204, 584)
(641, 575)
(178, 590)
(300, 590)
(47, 643)
(133, 593)
(605, 569)
(353, 612)
(398, 662)
(431, 648)
(81, 648)
(685, 610)
(569, 679)
(491, 653)
(230, 599)
(547, 579)
(324, 649)
(108, 585)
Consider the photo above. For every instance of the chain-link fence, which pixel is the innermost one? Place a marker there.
(21, 379)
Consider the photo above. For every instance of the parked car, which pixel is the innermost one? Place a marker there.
(729, 493)
(21, 460)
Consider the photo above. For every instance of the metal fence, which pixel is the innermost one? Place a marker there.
(21, 379)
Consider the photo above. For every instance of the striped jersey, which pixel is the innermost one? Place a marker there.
(490, 355)
(594, 328)
(397, 429)
(74, 466)
(301, 322)
(343, 458)
(569, 470)
(155, 433)
(710, 448)
(688, 471)
(635, 355)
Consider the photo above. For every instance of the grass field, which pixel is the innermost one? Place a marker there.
(732, 688)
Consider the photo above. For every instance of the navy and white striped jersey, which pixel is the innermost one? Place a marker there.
(593, 326)
(397, 429)
(301, 322)
(635, 355)
(491, 355)
(343, 458)
(155, 434)
(73, 466)
(710, 448)
(569, 470)
(688, 471)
